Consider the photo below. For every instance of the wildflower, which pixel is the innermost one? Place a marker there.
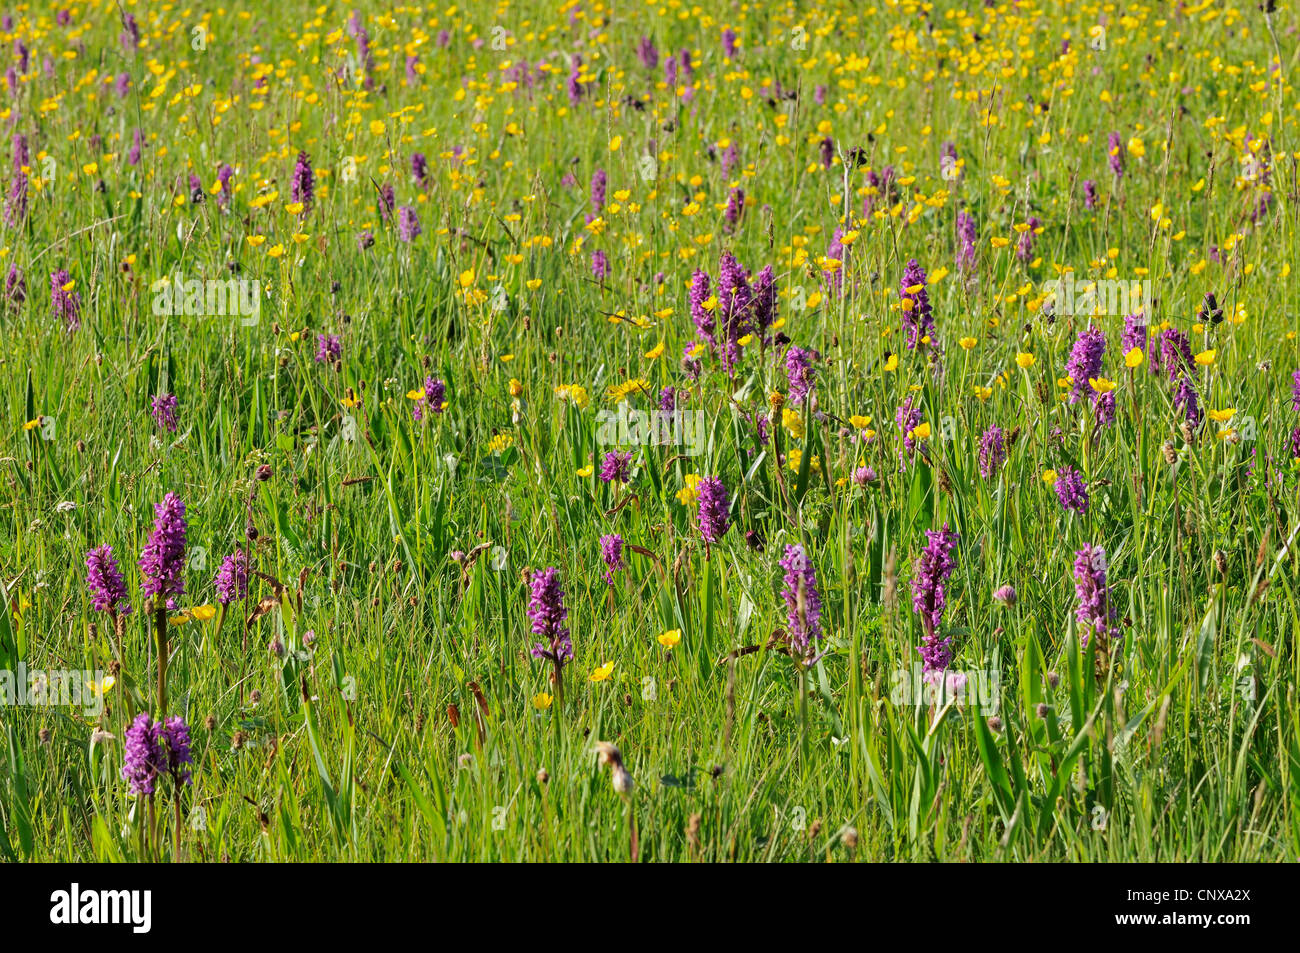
(15, 288)
(1025, 247)
(992, 452)
(735, 298)
(137, 147)
(836, 252)
(601, 673)
(1115, 152)
(598, 185)
(1096, 611)
(1071, 490)
(303, 185)
(1085, 361)
(599, 265)
(547, 613)
(420, 168)
(1005, 595)
(702, 316)
(232, 578)
(16, 201)
(408, 225)
(224, 174)
(908, 418)
(918, 317)
(647, 54)
(1186, 400)
(173, 737)
(735, 208)
(689, 493)
(1089, 194)
(764, 303)
(1295, 392)
(611, 550)
(1135, 333)
(669, 639)
(802, 601)
(143, 757)
(967, 233)
(729, 160)
(64, 300)
(130, 35)
(574, 86)
(729, 43)
(800, 373)
(328, 348)
(104, 580)
(1103, 408)
(616, 466)
(162, 561)
(713, 515)
(164, 411)
(1175, 354)
(431, 398)
(929, 599)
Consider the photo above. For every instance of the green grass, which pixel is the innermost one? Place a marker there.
(1181, 745)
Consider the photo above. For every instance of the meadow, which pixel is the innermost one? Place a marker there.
(656, 432)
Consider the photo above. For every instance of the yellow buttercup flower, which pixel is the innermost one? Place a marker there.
(542, 701)
(1101, 385)
(670, 638)
(1222, 416)
(1134, 357)
(1205, 358)
(688, 494)
(1025, 360)
(602, 673)
(792, 421)
(1049, 477)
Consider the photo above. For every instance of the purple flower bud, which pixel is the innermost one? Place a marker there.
(616, 466)
(162, 562)
(1071, 490)
(232, 578)
(611, 550)
(713, 509)
(933, 568)
(164, 411)
(918, 316)
(1096, 611)
(104, 580)
(802, 601)
(547, 613)
(303, 184)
